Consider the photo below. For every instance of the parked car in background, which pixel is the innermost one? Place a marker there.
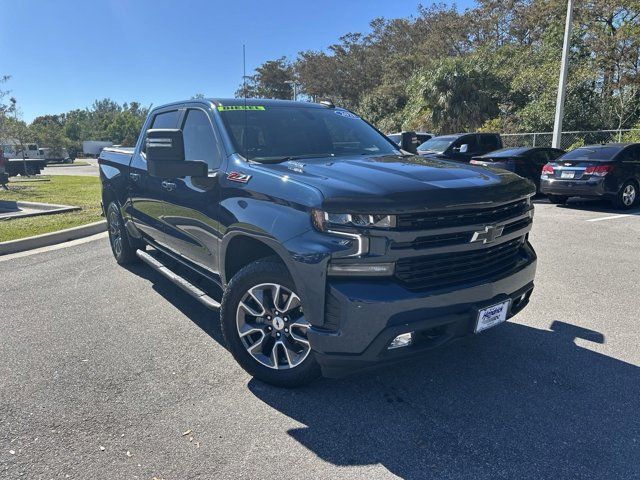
(409, 141)
(610, 171)
(55, 155)
(525, 161)
(461, 147)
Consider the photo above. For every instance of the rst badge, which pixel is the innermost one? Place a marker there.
(238, 177)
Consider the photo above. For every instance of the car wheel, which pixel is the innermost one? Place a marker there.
(627, 196)
(557, 199)
(264, 325)
(121, 244)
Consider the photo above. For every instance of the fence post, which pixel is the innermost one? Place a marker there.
(534, 139)
(619, 136)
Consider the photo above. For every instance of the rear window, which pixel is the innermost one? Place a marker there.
(602, 154)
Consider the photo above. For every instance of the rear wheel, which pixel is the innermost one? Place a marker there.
(627, 196)
(557, 199)
(264, 325)
(121, 243)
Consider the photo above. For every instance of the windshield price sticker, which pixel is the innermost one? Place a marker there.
(228, 108)
(346, 114)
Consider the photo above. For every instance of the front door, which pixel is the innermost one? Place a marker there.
(191, 214)
(148, 193)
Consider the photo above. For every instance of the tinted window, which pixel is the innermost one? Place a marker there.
(507, 152)
(630, 154)
(199, 140)
(489, 142)
(592, 153)
(469, 140)
(395, 138)
(166, 120)
(272, 133)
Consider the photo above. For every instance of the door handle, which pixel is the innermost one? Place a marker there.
(168, 185)
(134, 176)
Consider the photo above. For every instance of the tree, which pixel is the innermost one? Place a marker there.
(269, 81)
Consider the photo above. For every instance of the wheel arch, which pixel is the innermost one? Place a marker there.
(239, 249)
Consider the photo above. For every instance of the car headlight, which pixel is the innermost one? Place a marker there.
(323, 221)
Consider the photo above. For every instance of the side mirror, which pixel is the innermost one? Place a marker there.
(165, 155)
(409, 142)
(464, 148)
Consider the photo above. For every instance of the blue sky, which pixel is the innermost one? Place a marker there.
(64, 54)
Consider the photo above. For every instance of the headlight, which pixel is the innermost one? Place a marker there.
(324, 220)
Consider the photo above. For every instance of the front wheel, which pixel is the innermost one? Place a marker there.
(627, 196)
(557, 199)
(264, 325)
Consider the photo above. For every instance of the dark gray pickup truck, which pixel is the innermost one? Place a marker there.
(326, 248)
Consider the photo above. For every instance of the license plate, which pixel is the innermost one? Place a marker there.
(569, 174)
(492, 316)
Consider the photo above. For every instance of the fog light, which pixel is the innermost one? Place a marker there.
(361, 269)
(403, 340)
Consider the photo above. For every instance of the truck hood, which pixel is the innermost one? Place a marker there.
(391, 184)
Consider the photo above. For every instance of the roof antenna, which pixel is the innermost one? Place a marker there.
(244, 94)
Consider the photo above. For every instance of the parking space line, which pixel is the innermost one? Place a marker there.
(612, 217)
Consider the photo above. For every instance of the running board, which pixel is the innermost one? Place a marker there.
(185, 285)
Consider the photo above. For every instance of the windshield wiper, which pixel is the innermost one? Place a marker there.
(292, 157)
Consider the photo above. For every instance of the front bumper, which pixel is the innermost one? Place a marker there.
(574, 188)
(368, 314)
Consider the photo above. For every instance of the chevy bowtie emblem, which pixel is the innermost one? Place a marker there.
(488, 235)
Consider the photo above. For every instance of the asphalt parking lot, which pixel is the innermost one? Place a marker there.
(109, 372)
(57, 169)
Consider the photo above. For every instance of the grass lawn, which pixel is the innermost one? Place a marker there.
(79, 191)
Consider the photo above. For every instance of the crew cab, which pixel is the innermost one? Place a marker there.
(460, 147)
(325, 248)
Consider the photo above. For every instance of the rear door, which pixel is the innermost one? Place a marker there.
(146, 192)
(628, 166)
(191, 213)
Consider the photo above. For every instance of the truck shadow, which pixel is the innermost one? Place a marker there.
(516, 402)
(204, 318)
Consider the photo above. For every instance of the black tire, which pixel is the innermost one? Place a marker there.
(254, 275)
(627, 196)
(557, 199)
(122, 246)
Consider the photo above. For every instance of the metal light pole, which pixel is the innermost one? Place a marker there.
(294, 85)
(562, 85)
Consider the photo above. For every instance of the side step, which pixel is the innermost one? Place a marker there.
(184, 284)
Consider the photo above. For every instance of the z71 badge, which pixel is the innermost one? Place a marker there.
(238, 177)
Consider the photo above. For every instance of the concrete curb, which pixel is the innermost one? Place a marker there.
(47, 239)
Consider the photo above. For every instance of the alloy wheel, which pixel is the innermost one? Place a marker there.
(115, 233)
(629, 195)
(272, 326)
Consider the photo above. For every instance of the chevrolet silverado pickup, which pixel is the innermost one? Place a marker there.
(325, 248)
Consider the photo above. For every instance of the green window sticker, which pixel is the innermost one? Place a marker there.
(228, 108)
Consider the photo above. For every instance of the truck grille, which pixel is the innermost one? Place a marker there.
(457, 218)
(445, 270)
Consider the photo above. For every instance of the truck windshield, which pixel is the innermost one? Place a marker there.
(273, 134)
(437, 144)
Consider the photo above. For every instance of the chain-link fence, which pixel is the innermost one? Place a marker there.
(570, 140)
